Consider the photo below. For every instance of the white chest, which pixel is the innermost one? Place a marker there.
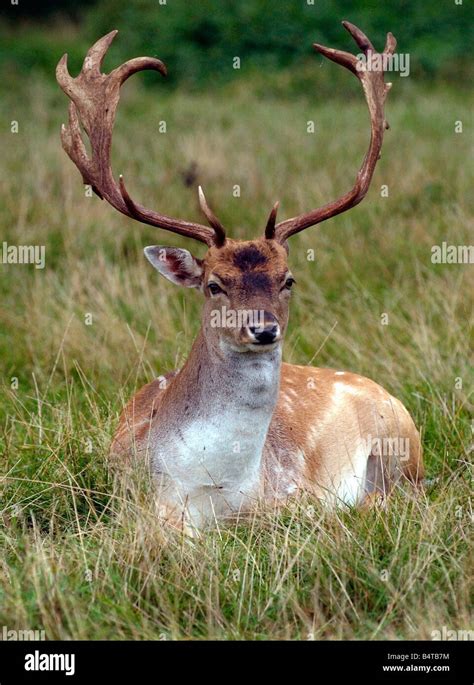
(210, 465)
(214, 467)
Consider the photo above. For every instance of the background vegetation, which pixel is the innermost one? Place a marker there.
(79, 556)
(198, 40)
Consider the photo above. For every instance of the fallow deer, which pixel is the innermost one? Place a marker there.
(235, 425)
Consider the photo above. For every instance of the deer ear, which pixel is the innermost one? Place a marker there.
(178, 266)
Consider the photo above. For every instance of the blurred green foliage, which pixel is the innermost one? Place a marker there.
(198, 40)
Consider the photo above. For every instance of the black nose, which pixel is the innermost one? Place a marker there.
(265, 335)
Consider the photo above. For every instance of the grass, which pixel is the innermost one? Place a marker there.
(83, 557)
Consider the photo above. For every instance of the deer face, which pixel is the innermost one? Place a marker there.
(247, 288)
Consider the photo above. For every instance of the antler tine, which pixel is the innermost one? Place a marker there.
(95, 55)
(359, 36)
(390, 44)
(375, 90)
(211, 217)
(339, 56)
(94, 99)
(270, 227)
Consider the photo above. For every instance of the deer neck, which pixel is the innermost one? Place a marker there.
(217, 412)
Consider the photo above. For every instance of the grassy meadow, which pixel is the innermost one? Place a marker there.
(84, 558)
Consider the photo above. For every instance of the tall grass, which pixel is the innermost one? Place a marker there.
(83, 557)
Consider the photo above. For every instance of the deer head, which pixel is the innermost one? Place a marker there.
(241, 277)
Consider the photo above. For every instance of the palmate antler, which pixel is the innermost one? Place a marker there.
(94, 99)
(375, 90)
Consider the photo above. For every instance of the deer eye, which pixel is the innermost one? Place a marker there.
(214, 289)
(289, 283)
